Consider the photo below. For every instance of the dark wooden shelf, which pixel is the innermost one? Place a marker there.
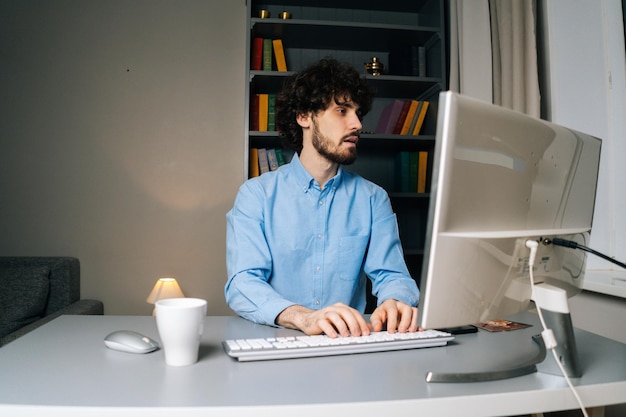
(355, 31)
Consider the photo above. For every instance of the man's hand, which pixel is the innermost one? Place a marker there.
(335, 320)
(397, 315)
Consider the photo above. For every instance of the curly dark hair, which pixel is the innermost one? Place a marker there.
(312, 89)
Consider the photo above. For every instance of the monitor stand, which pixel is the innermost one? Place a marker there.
(555, 309)
(554, 306)
(566, 350)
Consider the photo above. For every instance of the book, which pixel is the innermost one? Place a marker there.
(404, 60)
(398, 62)
(271, 159)
(401, 117)
(422, 171)
(402, 171)
(267, 55)
(415, 117)
(253, 163)
(254, 112)
(414, 60)
(256, 60)
(389, 117)
(411, 118)
(421, 61)
(271, 112)
(279, 55)
(264, 165)
(263, 111)
(420, 119)
(280, 157)
(413, 171)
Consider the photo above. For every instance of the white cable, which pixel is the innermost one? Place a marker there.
(547, 334)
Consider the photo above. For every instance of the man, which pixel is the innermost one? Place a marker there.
(301, 239)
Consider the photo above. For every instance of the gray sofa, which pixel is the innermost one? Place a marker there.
(35, 290)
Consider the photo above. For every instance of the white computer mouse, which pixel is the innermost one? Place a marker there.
(130, 341)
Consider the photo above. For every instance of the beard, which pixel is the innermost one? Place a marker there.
(332, 152)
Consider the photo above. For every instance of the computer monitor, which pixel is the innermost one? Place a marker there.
(500, 178)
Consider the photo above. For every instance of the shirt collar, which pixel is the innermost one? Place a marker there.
(306, 181)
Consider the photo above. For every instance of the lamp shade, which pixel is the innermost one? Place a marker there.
(165, 288)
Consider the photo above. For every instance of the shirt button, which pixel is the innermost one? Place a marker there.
(317, 302)
(319, 236)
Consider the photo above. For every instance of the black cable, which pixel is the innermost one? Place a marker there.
(571, 244)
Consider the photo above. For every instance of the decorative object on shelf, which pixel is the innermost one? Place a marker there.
(264, 14)
(285, 15)
(164, 288)
(374, 67)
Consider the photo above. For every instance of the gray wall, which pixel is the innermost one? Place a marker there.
(121, 140)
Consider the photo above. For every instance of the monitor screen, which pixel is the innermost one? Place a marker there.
(500, 178)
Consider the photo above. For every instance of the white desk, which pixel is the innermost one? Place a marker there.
(64, 369)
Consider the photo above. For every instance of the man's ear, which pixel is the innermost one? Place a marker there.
(304, 120)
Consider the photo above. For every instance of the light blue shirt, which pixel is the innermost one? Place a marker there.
(289, 242)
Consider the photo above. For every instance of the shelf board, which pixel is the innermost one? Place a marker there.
(396, 86)
(414, 252)
(260, 134)
(368, 141)
(380, 139)
(395, 195)
(338, 35)
(333, 23)
(413, 6)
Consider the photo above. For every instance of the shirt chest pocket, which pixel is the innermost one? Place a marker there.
(350, 255)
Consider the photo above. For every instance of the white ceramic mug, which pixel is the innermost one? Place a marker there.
(180, 322)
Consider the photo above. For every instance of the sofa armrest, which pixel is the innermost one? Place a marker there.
(80, 307)
(83, 307)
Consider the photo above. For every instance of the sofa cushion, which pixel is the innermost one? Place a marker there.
(23, 296)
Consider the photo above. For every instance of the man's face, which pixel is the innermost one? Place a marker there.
(335, 132)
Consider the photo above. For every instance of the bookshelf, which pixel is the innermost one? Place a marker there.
(355, 32)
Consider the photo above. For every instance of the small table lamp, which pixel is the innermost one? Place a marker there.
(164, 288)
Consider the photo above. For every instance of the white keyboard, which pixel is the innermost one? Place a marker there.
(312, 346)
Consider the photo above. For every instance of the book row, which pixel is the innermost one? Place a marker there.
(400, 117)
(262, 112)
(268, 55)
(412, 171)
(403, 117)
(263, 160)
(411, 167)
